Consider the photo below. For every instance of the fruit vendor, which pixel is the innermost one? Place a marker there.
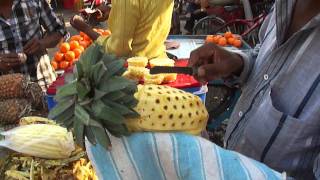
(22, 40)
(139, 28)
(276, 120)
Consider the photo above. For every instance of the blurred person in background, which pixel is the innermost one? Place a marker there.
(139, 28)
(22, 23)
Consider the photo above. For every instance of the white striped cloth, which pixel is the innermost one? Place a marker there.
(159, 156)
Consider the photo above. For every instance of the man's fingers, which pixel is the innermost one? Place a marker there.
(29, 44)
(202, 55)
(207, 73)
(9, 55)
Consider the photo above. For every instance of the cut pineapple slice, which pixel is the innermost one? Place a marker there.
(138, 72)
(161, 62)
(138, 61)
(169, 78)
(153, 79)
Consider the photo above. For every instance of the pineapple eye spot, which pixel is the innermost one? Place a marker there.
(159, 92)
(174, 91)
(159, 87)
(177, 98)
(189, 114)
(190, 96)
(198, 104)
(182, 124)
(180, 116)
(152, 124)
(183, 107)
(150, 88)
(165, 107)
(171, 116)
(173, 124)
(174, 107)
(184, 97)
(192, 122)
(181, 91)
(157, 101)
(160, 116)
(152, 109)
(148, 94)
(200, 121)
(168, 92)
(163, 124)
(168, 98)
(140, 121)
(191, 104)
(203, 111)
(197, 113)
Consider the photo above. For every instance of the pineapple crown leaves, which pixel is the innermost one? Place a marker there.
(97, 98)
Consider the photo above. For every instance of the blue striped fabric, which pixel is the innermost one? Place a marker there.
(159, 156)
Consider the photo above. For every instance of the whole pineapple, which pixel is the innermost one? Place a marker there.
(100, 99)
(12, 110)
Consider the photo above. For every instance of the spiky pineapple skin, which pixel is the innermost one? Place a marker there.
(12, 110)
(12, 86)
(166, 109)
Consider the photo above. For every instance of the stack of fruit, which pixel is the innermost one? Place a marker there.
(137, 70)
(69, 52)
(19, 97)
(225, 39)
(100, 99)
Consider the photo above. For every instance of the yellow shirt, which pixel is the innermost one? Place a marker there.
(139, 27)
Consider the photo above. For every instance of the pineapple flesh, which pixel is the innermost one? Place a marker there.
(165, 109)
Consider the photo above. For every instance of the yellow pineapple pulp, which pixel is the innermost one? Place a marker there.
(166, 109)
(138, 61)
(161, 62)
(153, 79)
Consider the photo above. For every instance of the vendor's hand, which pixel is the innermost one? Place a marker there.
(9, 61)
(105, 11)
(33, 46)
(78, 23)
(214, 62)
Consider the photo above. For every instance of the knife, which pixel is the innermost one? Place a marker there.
(179, 70)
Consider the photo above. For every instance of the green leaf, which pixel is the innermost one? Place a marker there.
(98, 71)
(79, 70)
(65, 116)
(78, 128)
(82, 115)
(123, 110)
(69, 123)
(69, 78)
(108, 58)
(129, 101)
(115, 83)
(60, 108)
(113, 96)
(98, 94)
(101, 137)
(113, 68)
(66, 90)
(89, 134)
(104, 112)
(83, 88)
(118, 130)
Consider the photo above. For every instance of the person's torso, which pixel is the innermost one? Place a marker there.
(276, 120)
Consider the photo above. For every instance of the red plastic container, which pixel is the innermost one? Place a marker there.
(68, 4)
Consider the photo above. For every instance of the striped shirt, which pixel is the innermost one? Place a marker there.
(28, 19)
(173, 156)
(277, 118)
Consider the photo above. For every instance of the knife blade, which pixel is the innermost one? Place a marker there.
(179, 70)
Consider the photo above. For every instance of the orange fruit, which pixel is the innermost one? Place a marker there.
(82, 34)
(74, 45)
(230, 40)
(86, 38)
(54, 65)
(237, 43)
(59, 57)
(106, 33)
(77, 52)
(222, 41)
(81, 48)
(228, 34)
(64, 64)
(210, 39)
(83, 44)
(70, 56)
(64, 47)
(76, 38)
(216, 38)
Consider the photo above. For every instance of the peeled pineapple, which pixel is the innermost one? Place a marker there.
(138, 61)
(161, 62)
(165, 109)
(138, 72)
(153, 79)
(40, 140)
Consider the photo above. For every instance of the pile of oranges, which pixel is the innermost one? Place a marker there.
(69, 52)
(226, 39)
